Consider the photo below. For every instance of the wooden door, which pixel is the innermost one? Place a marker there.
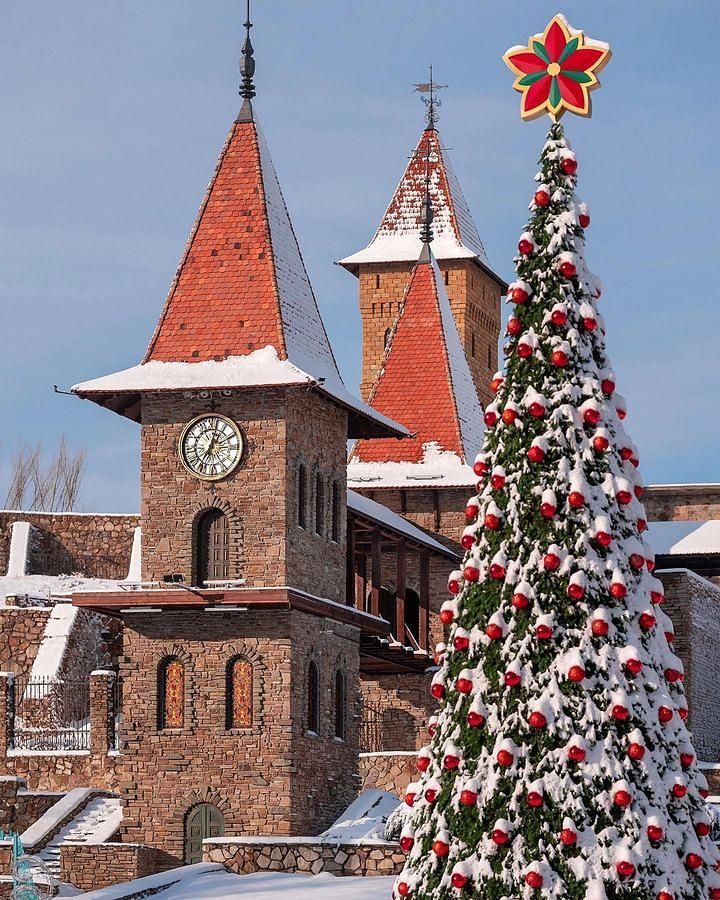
(213, 547)
(204, 821)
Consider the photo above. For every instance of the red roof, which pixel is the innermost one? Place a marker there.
(425, 380)
(242, 284)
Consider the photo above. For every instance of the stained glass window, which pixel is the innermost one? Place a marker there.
(239, 693)
(171, 694)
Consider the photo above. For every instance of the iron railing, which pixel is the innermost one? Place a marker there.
(371, 729)
(51, 714)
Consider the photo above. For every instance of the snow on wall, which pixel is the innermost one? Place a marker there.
(19, 549)
(51, 651)
(135, 568)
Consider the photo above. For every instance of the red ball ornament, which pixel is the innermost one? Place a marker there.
(647, 621)
(492, 522)
(447, 615)
(625, 869)
(547, 510)
(520, 601)
(467, 540)
(505, 758)
(406, 843)
(458, 880)
(576, 754)
(497, 571)
(568, 165)
(490, 418)
(480, 468)
(536, 454)
(686, 760)
(524, 351)
(704, 793)
(576, 674)
(423, 763)
(622, 799)
(655, 833)
(568, 837)
(496, 384)
(683, 713)
(620, 713)
(543, 632)
(525, 247)
(603, 538)
(714, 893)
(626, 453)
(403, 889)
(551, 562)
(576, 499)
(633, 666)
(536, 410)
(558, 317)
(512, 679)
(589, 323)
(431, 795)
(509, 416)
(475, 719)
(410, 798)
(600, 627)
(665, 715)
(623, 497)
(641, 525)
(518, 294)
(600, 444)
(673, 676)
(537, 720)
(451, 762)
(702, 829)
(591, 416)
(575, 591)
(607, 386)
(499, 837)
(493, 631)
(497, 481)
(636, 751)
(568, 269)
(471, 510)
(669, 637)
(534, 880)
(559, 359)
(468, 797)
(463, 685)
(542, 197)
(693, 861)
(664, 895)
(440, 848)
(471, 572)
(514, 326)
(461, 642)
(584, 220)
(657, 597)
(636, 561)
(618, 591)
(534, 799)
(679, 790)
(437, 690)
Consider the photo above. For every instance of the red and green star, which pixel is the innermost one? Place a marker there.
(557, 70)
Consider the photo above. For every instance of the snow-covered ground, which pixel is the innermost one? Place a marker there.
(209, 882)
(43, 586)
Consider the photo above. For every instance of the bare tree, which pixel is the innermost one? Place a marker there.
(54, 487)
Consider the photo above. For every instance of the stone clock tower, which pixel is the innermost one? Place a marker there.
(240, 666)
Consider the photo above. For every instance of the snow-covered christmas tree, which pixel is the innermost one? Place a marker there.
(560, 765)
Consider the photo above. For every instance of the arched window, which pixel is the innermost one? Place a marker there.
(213, 546)
(340, 703)
(335, 524)
(472, 344)
(171, 693)
(239, 693)
(319, 504)
(313, 698)
(302, 496)
(386, 339)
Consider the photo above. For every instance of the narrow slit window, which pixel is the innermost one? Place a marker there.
(302, 496)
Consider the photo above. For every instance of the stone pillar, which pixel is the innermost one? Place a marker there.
(7, 711)
(102, 712)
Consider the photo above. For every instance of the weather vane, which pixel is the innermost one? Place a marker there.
(432, 102)
(557, 70)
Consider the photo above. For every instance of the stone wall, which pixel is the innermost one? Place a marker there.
(21, 630)
(302, 855)
(475, 301)
(272, 777)
(95, 545)
(438, 510)
(403, 705)
(682, 502)
(391, 772)
(693, 604)
(94, 866)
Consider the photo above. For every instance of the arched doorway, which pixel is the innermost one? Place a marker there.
(203, 821)
(213, 547)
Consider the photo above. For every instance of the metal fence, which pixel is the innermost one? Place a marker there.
(371, 729)
(51, 714)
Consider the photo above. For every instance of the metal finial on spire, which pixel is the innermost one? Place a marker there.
(432, 102)
(426, 231)
(247, 62)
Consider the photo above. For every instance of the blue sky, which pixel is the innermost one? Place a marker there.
(114, 113)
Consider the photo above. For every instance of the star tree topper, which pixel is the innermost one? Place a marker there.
(557, 70)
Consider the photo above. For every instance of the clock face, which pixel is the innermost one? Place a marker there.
(211, 446)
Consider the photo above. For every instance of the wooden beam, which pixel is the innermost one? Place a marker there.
(350, 598)
(375, 574)
(424, 636)
(400, 597)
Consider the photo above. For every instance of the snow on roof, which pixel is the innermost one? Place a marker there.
(437, 400)
(211, 881)
(44, 587)
(684, 538)
(261, 368)
(398, 236)
(437, 468)
(368, 508)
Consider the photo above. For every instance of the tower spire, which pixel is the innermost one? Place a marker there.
(247, 71)
(431, 101)
(426, 231)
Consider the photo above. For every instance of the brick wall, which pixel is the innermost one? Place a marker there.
(441, 511)
(21, 630)
(391, 772)
(281, 428)
(93, 866)
(404, 705)
(475, 301)
(693, 604)
(682, 503)
(96, 545)
(269, 778)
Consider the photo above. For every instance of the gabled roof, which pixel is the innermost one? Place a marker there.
(425, 382)
(398, 236)
(241, 292)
